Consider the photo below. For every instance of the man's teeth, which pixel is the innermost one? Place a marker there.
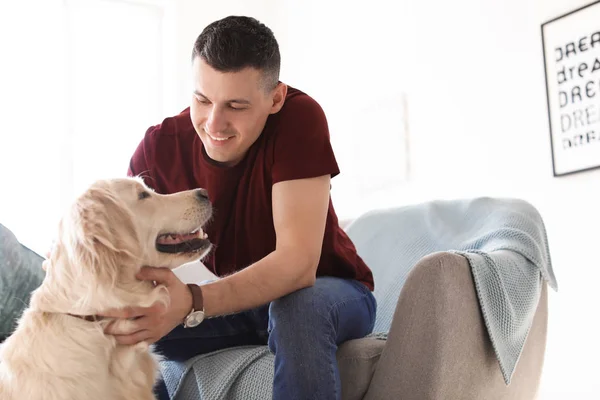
(219, 139)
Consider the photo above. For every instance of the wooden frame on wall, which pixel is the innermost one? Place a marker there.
(571, 50)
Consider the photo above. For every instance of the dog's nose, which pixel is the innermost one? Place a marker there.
(202, 194)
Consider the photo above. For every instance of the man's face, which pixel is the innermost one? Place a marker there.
(229, 109)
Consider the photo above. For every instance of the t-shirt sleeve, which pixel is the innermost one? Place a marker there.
(302, 146)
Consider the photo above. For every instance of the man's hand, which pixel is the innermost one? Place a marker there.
(152, 323)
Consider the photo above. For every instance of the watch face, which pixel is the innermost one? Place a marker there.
(194, 319)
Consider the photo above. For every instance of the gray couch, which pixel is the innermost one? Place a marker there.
(430, 340)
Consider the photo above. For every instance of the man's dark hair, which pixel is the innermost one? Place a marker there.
(236, 42)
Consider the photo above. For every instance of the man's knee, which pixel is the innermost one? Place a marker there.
(302, 316)
(307, 303)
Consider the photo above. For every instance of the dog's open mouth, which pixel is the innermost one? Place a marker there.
(192, 242)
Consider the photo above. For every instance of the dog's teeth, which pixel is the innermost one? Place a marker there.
(200, 234)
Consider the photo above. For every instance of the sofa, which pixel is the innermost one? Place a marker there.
(434, 337)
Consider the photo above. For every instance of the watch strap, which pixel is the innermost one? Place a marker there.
(197, 299)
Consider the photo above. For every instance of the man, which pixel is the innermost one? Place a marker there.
(288, 271)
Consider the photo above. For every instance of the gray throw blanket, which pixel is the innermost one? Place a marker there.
(508, 282)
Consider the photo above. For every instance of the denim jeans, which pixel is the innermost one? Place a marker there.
(302, 329)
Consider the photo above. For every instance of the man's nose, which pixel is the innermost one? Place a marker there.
(216, 121)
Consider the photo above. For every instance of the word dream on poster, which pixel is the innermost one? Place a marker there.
(578, 79)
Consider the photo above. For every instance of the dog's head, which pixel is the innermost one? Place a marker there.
(112, 230)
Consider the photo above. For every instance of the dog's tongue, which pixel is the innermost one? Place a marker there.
(176, 238)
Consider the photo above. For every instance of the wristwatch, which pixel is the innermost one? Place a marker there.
(196, 315)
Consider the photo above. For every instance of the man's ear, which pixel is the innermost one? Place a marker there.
(278, 95)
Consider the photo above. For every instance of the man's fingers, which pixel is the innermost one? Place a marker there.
(157, 308)
(123, 313)
(128, 326)
(161, 275)
(134, 338)
(134, 312)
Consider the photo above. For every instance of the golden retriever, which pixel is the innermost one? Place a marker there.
(110, 232)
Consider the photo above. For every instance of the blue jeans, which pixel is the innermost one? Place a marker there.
(302, 329)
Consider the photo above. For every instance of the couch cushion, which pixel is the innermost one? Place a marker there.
(357, 360)
(246, 372)
(20, 273)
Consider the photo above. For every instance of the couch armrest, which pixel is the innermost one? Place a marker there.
(438, 346)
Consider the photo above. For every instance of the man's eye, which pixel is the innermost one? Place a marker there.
(143, 195)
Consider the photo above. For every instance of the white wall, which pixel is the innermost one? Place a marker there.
(479, 127)
(473, 72)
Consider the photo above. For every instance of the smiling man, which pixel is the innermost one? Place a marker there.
(290, 276)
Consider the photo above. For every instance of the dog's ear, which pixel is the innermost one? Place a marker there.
(103, 234)
(99, 243)
(97, 253)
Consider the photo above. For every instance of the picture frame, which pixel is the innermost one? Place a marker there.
(571, 52)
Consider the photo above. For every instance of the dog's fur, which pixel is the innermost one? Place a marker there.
(108, 234)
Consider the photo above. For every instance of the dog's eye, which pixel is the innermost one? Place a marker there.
(143, 195)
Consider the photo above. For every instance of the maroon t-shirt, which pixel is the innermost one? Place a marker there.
(294, 144)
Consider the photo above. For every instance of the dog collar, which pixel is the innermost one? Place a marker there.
(90, 318)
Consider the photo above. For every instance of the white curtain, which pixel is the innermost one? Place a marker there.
(80, 82)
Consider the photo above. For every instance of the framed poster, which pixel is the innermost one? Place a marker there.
(571, 47)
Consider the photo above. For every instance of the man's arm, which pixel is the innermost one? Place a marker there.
(299, 215)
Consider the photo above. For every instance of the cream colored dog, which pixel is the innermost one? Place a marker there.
(58, 352)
